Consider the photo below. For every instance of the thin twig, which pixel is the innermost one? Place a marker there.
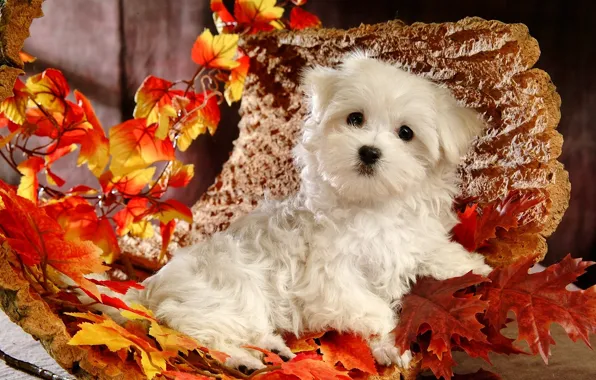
(29, 368)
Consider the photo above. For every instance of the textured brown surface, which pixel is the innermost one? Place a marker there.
(15, 19)
(488, 65)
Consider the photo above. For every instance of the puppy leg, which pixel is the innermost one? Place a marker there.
(351, 307)
(452, 260)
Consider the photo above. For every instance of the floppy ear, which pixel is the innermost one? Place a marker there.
(457, 126)
(318, 84)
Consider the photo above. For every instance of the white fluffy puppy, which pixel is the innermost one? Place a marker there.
(378, 159)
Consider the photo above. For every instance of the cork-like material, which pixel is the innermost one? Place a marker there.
(15, 18)
(488, 65)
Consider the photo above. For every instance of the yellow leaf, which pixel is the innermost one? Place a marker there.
(29, 184)
(233, 88)
(92, 334)
(14, 107)
(6, 139)
(215, 52)
(142, 229)
(49, 89)
(166, 114)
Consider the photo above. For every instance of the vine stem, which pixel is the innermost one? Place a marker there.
(29, 368)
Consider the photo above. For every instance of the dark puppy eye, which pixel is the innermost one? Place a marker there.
(405, 133)
(355, 119)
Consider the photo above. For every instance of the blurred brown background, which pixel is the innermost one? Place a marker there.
(106, 48)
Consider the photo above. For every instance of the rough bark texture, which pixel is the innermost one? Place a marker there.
(488, 65)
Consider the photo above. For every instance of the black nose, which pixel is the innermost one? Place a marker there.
(369, 154)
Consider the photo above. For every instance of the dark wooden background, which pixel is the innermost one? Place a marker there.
(107, 47)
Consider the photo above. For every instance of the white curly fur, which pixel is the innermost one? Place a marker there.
(342, 252)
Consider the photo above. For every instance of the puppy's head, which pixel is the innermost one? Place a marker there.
(375, 131)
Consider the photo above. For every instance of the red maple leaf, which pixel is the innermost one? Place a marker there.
(475, 230)
(309, 369)
(432, 307)
(301, 19)
(118, 286)
(540, 299)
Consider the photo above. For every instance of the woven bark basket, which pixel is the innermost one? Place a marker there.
(486, 64)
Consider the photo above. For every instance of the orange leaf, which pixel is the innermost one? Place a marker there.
(168, 211)
(180, 175)
(348, 349)
(80, 222)
(133, 146)
(310, 369)
(118, 286)
(125, 217)
(204, 117)
(26, 57)
(95, 145)
(270, 357)
(166, 230)
(29, 184)
(7, 139)
(215, 52)
(14, 108)
(301, 19)
(235, 85)
(224, 21)
(25, 226)
(133, 182)
(258, 14)
(176, 375)
(153, 94)
(49, 89)
(306, 342)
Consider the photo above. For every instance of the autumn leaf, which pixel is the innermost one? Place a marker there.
(133, 146)
(166, 230)
(49, 89)
(115, 338)
(301, 19)
(132, 183)
(540, 299)
(235, 84)
(80, 222)
(310, 369)
(223, 20)
(118, 286)
(26, 57)
(474, 231)
(180, 174)
(168, 211)
(125, 218)
(215, 52)
(29, 184)
(204, 117)
(348, 349)
(177, 375)
(257, 14)
(24, 226)
(153, 95)
(306, 342)
(7, 139)
(94, 147)
(432, 307)
(14, 108)
(268, 356)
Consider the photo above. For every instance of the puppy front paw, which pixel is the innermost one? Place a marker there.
(483, 270)
(385, 352)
